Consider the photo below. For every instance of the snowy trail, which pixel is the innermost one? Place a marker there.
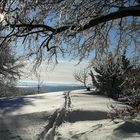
(56, 119)
(68, 101)
(75, 115)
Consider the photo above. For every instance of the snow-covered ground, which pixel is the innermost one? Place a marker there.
(74, 115)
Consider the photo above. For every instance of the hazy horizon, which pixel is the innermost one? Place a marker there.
(61, 73)
(21, 83)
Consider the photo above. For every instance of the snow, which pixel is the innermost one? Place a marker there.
(31, 103)
(74, 115)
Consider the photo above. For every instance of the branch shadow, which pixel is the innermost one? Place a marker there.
(80, 115)
(10, 104)
(127, 129)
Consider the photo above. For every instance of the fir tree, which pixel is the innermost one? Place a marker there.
(110, 77)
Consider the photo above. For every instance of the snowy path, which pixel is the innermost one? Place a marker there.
(74, 115)
(56, 120)
(27, 112)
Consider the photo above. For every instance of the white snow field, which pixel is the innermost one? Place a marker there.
(71, 115)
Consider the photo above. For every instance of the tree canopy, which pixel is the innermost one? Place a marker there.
(77, 27)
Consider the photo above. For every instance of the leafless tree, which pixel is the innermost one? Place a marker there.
(77, 27)
(82, 76)
(39, 82)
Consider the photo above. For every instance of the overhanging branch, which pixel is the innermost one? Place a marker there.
(32, 26)
(124, 12)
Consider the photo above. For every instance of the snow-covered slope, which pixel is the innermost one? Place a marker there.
(74, 115)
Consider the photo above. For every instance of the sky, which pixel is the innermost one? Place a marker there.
(61, 73)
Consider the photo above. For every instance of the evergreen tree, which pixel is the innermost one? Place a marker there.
(110, 77)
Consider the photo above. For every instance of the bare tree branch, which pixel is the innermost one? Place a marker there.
(124, 12)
